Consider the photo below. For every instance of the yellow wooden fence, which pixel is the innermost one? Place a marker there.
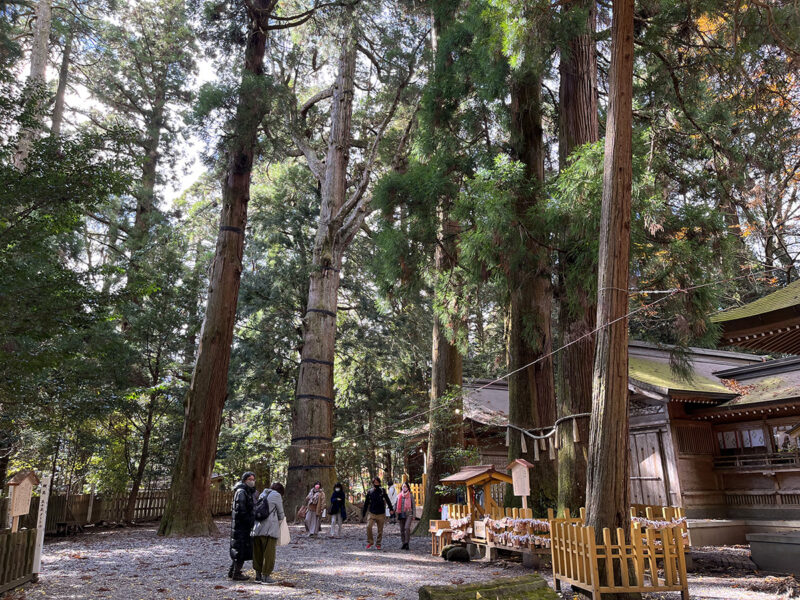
(620, 567)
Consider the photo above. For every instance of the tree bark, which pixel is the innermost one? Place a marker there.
(188, 509)
(143, 458)
(36, 82)
(311, 454)
(445, 419)
(61, 91)
(446, 433)
(145, 200)
(577, 309)
(531, 390)
(607, 476)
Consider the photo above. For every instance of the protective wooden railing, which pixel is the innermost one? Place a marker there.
(81, 509)
(660, 517)
(616, 568)
(16, 557)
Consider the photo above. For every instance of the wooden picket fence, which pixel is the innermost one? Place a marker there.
(663, 513)
(607, 568)
(417, 490)
(16, 557)
(69, 513)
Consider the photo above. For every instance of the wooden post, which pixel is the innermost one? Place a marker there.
(41, 521)
(91, 506)
(10, 504)
(525, 502)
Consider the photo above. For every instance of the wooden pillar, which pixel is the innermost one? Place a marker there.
(91, 505)
(41, 524)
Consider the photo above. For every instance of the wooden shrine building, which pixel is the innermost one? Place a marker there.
(723, 442)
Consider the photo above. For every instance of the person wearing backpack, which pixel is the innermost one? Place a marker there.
(241, 523)
(376, 503)
(266, 531)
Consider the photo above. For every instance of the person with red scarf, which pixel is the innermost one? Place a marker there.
(405, 514)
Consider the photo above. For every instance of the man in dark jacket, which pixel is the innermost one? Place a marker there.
(243, 518)
(376, 503)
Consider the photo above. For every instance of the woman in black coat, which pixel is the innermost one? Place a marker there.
(243, 518)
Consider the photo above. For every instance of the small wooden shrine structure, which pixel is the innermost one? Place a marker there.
(478, 477)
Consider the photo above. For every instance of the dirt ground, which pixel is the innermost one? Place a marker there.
(135, 564)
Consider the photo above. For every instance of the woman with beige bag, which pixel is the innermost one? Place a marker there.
(267, 531)
(315, 504)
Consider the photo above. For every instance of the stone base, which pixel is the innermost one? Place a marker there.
(779, 552)
(528, 587)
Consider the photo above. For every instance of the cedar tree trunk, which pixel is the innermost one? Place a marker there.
(61, 91)
(147, 433)
(37, 79)
(577, 308)
(531, 391)
(188, 509)
(607, 476)
(311, 454)
(342, 213)
(446, 406)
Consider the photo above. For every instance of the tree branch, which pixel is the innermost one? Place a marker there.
(319, 96)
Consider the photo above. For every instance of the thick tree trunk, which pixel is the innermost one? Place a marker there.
(188, 509)
(36, 80)
(446, 432)
(143, 458)
(5, 457)
(446, 435)
(577, 308)
(145, 197)
(61, 91)
(531, 391)
(607, 477)
(311, 454)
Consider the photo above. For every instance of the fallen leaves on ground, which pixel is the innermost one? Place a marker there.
(788, 585)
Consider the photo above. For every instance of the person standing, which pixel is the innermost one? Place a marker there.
(376, 503)
(404, 509)
(338, 510)
(315, 502)
(267, 532)
(242, 520)
(392, 493)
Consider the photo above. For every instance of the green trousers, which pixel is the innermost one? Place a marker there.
(264, 554)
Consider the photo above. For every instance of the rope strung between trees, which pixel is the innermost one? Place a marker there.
(667, 294)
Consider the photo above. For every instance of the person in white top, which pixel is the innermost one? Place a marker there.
(392, 496)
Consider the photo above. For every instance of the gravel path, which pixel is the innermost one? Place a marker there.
(136, 564)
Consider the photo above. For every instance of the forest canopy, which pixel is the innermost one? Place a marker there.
(366, 203)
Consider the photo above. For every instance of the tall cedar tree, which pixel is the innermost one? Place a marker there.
(188, 511)
(531, 386)
(446, 430)
(578, 125)
(607, 474)
(342, 213)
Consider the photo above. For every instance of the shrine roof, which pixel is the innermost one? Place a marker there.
(471, 473)
(785, 297)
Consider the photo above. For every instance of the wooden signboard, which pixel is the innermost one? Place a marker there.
(521, 480)
(21, 487)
